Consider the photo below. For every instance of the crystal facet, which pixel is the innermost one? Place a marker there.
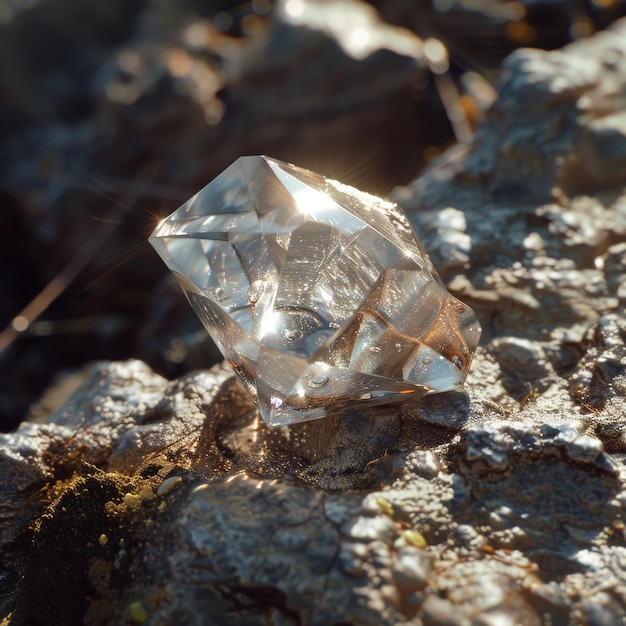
(318, 294)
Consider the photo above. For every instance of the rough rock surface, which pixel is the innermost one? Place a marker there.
(154, 502)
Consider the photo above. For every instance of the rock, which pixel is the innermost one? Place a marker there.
(554, 200)
(152, 501)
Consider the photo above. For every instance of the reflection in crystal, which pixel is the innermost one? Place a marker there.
(318, 294)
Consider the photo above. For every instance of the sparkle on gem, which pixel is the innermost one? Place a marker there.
(318, 294)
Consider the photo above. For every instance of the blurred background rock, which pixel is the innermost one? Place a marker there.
(112, 114)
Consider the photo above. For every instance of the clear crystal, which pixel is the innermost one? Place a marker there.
(318, 294)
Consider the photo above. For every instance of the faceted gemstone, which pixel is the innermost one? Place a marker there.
(318, 294)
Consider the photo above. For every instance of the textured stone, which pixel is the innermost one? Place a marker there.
(512, 502)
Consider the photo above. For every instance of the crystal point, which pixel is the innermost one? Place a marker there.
(319, 295)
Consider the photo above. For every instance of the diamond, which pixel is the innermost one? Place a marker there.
(318, 294)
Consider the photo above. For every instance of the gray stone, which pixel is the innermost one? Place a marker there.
(173, 502)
